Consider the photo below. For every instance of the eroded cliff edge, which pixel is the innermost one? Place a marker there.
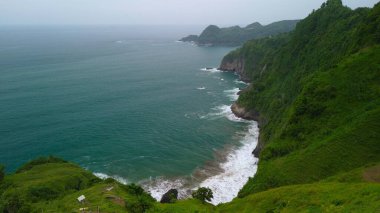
(237, 65)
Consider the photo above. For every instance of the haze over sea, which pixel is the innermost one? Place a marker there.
(127, 102)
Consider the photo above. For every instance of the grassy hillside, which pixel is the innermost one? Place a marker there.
(55, 187)
(318, 92)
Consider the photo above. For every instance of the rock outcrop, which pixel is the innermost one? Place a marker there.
(235, 65)
(170, 197)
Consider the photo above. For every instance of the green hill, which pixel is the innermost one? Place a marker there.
(235, 36)
(317, 90)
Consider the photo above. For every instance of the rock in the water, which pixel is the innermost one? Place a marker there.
(170, 197)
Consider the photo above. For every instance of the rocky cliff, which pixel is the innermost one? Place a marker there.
(235, 65)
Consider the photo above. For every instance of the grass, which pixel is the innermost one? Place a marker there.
(354, 191)
(318, 197)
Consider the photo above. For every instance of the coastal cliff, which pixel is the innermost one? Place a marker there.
(306, 110)
(235, 65)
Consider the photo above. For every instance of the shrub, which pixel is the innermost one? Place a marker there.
(43, 192)
(134, 189)
(203, 194)
(12, 201)
(140, 204)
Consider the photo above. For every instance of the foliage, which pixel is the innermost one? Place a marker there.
(39, 161)
(140, 204)
(317, 90)
(317, 197)
(13, 201)
(203, 194)
(134, 189)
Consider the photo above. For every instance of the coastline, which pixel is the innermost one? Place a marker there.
(231, 167)
(237, 66)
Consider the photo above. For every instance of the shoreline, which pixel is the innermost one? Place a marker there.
(237, 67)
(227, 173)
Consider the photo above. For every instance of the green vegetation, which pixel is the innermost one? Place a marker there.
(318, 92)
(354, 191)
(203, 194)
(326, 197)
(235, 36)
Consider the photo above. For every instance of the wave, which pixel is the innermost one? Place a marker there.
(232, 94)
(212, 70)
(238, 168)
(224, 176)
(223, 111)
(115, 177)
(160, 185)
(237, 81)
(201, 88)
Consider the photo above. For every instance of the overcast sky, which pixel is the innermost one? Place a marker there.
(158, 12)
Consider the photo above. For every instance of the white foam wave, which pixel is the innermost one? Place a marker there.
(212, 70)
(223, 111)
(232, 94)
(159, 186)
(239, 167)
(105, 176)
(237, 81)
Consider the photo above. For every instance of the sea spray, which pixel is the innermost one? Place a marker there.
(239, 167)
(233, 171)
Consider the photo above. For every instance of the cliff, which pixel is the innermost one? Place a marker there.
(311, 122)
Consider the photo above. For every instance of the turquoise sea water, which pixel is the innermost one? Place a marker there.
(122, 101)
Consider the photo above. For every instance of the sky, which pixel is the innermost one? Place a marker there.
(158, 12)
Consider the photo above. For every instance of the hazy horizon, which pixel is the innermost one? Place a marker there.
(149, 12)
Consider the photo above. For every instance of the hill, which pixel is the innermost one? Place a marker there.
(235, 36)
(317, 90)
(54, 185)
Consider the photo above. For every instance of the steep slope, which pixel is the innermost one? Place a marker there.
(234, 36)
(318, 93)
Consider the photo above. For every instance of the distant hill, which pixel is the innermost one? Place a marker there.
(235, 36)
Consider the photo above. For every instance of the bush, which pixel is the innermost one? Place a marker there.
(140, 204)
(13, 202)
(43, 192)
(134, 189)
(203, 194)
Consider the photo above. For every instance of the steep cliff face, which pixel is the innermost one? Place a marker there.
(236, 65)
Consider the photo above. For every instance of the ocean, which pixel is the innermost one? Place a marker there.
(128, 102)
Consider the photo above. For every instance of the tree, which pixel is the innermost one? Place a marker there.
(139, 204)
(203, 194)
